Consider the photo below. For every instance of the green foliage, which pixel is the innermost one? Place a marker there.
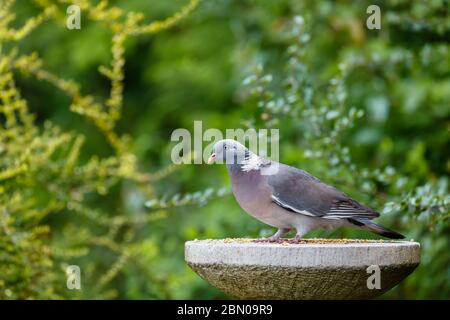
(44, 180)
(365, 110)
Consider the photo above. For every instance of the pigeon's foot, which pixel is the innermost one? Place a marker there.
(276, 238)
(269, 240)
(296, 239)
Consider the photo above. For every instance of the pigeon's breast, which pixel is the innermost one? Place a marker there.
(254, 196)
(250, 190)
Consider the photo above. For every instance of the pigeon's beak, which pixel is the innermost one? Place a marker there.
(212, 158)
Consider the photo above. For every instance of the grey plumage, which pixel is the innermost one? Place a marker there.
(288, 198)
(300, 192)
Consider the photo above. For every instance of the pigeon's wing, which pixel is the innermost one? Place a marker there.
(298, 191)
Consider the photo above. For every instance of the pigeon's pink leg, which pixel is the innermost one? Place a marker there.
(276, 237)
(297, 239)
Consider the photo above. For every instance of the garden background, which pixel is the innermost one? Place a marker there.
(86, 117)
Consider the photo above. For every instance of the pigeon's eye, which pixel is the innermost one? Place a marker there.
(225, 147)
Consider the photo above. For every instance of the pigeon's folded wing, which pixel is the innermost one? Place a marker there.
(298, 191)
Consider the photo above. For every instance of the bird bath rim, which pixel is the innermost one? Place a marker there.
(333, 252)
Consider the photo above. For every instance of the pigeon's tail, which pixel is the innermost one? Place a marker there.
(366, 224)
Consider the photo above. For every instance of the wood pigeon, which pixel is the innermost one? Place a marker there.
(288, 198)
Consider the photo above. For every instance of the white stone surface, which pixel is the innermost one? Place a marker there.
(382, 253)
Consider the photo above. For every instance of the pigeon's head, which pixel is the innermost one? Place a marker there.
(228, 151)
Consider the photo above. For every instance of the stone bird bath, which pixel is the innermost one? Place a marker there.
(312, 269)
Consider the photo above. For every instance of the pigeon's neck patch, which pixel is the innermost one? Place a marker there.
(251, 162)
